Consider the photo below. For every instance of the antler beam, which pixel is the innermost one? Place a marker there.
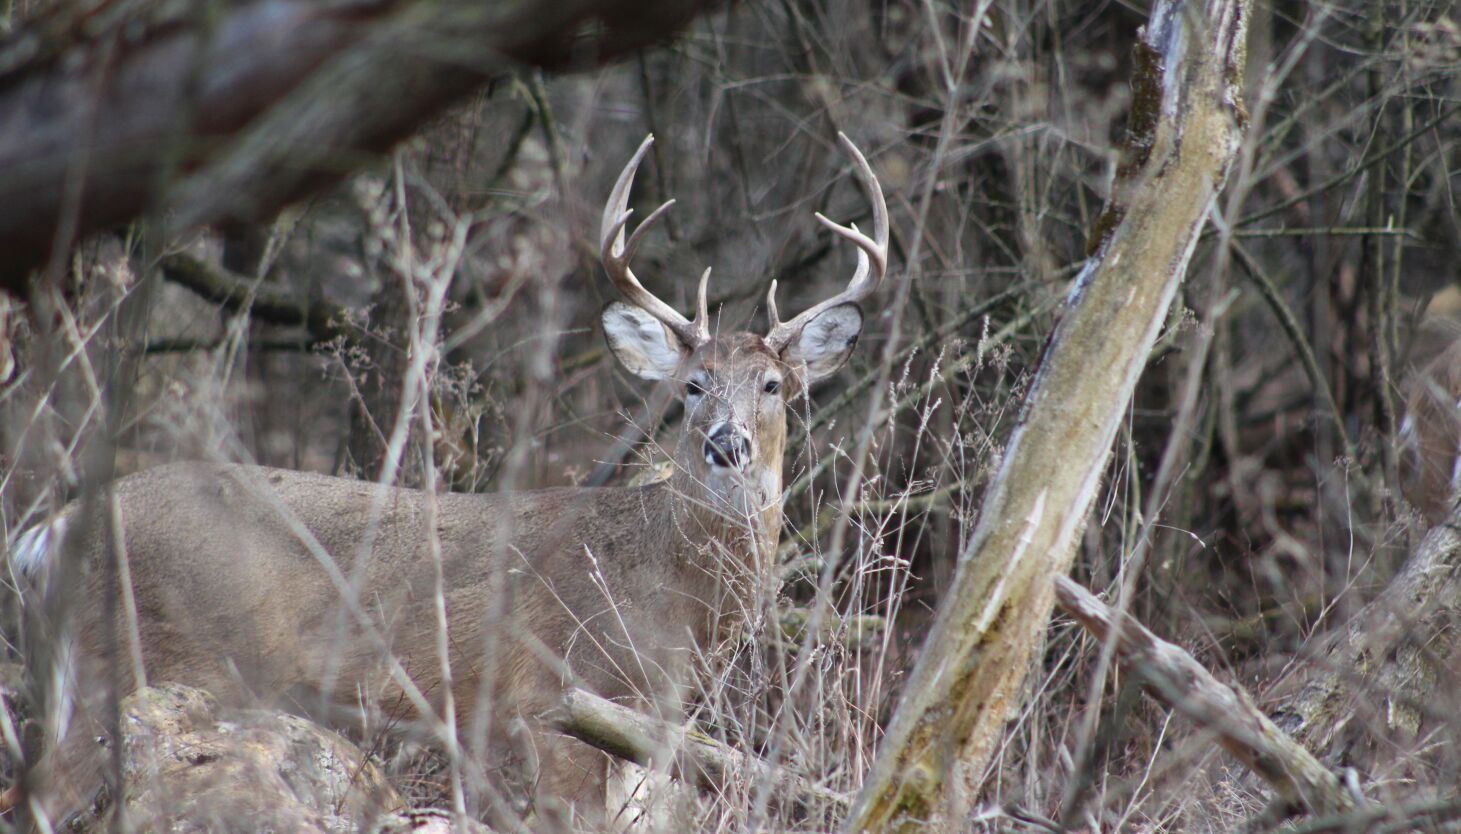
(872, 257)
(616, 252)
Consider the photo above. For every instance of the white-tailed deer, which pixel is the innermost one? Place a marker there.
(262, 584)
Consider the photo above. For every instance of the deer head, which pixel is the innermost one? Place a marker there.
(735, 386)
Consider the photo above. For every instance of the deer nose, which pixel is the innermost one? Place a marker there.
(727, 446)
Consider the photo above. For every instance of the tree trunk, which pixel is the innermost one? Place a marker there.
(1184, 131)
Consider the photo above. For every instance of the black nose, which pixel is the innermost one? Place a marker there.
(727, 447)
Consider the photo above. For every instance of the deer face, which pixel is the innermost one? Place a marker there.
(735, 389)
(735, 386)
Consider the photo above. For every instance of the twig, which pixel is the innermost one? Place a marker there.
(853, 631)
(1339, 179)
(162, 346)
(1332, 231)
(1183, 684)
(948, 371)
(851, 393)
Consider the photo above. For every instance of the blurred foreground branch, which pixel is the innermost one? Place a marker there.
(1183, 684)
(211, 112)
(1183, 134)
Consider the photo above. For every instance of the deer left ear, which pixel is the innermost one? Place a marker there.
(825, 342)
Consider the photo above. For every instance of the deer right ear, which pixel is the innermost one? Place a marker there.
(643, 345)
(826, 341)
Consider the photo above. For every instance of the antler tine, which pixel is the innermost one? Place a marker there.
(616, 253)
(872, 256)
(702, 309)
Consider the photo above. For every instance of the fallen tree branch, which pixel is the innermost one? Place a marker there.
(1380, 671)
(692, 757)
(1182, 683)
(1419, 815)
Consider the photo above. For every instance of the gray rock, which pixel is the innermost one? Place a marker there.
(191, 767)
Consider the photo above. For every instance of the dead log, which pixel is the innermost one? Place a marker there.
(1185, 128)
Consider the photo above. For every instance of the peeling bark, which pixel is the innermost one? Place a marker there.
(992, 619)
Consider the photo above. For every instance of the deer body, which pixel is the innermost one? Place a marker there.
(236, 602)
(267, 584)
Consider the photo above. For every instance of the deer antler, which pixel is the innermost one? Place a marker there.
(616, 254)
(872, 258)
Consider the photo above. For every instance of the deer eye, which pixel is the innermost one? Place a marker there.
(694, 387)
(772, 385)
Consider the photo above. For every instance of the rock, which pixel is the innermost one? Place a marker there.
(191, 767)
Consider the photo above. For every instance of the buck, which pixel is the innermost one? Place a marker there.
(267, 584)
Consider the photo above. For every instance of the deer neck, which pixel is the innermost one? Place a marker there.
(736, 515)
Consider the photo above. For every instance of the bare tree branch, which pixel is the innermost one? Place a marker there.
(264, 302)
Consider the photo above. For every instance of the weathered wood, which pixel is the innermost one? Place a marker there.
(1228, 712)
(203, 113)
(691, 757)
(1186, 124)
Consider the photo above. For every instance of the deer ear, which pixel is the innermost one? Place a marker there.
(826, 341)
(641, 344)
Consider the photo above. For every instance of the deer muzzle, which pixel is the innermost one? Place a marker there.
(727, 447)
